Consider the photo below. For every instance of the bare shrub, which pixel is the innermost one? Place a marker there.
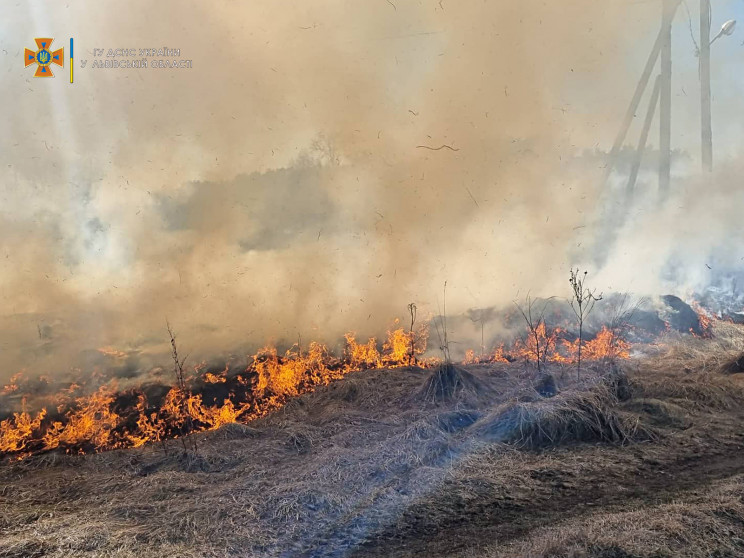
(535, 321)
(582, 304)
(412, 351)
(178, 370)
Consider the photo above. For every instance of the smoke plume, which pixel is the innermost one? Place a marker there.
(318, 168)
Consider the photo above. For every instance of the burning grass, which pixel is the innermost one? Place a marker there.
(111, 419)
(74, 421)
(552, 346)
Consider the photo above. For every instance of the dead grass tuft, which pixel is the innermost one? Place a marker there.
(584, 416)
(449, 382)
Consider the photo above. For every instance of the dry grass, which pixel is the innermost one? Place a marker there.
(691, 372)
(366, 467)
(582, 416)
(707, 523)
(684, 353)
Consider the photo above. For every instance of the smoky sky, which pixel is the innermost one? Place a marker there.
(322, 165)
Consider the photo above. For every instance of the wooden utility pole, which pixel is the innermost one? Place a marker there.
(705, 122)
(665, 98)
(653, 57)
(636, 166)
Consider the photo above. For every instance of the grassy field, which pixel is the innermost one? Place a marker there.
(644, 459)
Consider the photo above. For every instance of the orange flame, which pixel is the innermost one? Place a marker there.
(705, 320)
(605, 345)
(214, 378)
(12, 384)
(18, 432)
(92, 423)
(112, 352)
(102, 420)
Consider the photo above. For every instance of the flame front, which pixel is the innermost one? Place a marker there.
(548, 345)
(108, 418)
(95, 422)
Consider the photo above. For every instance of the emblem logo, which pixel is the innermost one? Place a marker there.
(44, 58)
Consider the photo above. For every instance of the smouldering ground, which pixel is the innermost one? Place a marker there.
(648, 461)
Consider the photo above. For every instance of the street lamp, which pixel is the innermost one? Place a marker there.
(706, 129)
(726, 29)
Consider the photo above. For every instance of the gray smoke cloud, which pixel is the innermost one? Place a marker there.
(318, 168)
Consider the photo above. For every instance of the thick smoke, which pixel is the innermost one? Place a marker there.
(319, 168)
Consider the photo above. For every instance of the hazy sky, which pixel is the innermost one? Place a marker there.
(288, 183)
